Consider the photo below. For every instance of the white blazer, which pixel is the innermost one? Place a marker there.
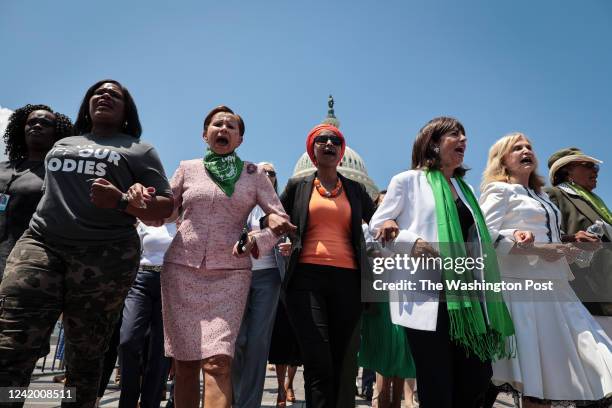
(510, 207)
(410, 202)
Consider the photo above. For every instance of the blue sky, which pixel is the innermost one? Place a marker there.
(541, 67)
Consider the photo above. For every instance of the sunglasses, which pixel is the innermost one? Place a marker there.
(270, 173)
(322, 140)
(588, 165)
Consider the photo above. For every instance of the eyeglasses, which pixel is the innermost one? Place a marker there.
(588, 165)
(335, 140)
(270, 173)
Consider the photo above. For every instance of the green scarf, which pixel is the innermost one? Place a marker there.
(594, 200)
(225, 170)
(468, 323)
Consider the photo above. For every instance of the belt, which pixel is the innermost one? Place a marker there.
(151, 268)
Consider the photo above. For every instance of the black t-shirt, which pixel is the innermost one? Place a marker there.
(66, 213)
(22, 181)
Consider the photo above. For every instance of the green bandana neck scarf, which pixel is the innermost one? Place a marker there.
(225, 170)
(594, 200)
(480, 332)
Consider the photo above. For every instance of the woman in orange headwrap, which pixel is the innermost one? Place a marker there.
(322, 283)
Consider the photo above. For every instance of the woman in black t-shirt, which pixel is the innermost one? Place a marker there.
(30, 133)
(81, 252)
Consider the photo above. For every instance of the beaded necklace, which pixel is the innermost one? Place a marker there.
(323, 191)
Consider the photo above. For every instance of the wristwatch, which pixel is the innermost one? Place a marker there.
(123, 202)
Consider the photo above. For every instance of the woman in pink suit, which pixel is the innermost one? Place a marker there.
(206, 275)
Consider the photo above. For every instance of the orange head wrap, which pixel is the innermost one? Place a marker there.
(314, 132)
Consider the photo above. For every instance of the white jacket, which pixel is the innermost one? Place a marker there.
(410, 202)
(511, 207)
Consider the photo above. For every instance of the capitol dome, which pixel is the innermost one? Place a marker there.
(351, 166)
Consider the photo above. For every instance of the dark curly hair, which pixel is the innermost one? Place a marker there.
(14, 135)
(131, 123)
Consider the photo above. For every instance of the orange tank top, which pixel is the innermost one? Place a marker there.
(328, 233)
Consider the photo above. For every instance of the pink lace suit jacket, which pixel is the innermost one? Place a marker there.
(211, 222)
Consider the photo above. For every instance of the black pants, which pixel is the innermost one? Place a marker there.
(109, 360)
(446, 376)
(368, 378)
(141, 314)
(324, 307)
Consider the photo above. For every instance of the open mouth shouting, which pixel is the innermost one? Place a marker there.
(460, 150)
(527, 161)
(329, 151)
(222, 141)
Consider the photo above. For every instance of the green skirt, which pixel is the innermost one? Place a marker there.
(384, 347)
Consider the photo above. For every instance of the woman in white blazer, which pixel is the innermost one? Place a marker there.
(562, 353)
(452, 372)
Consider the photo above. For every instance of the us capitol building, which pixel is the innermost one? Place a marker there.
(351, 166)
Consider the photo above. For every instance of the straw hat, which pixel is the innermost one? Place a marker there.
(565, 156)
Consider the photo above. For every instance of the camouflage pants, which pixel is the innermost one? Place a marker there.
(87, 283)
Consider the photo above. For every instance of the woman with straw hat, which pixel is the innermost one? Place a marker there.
(574, 177)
